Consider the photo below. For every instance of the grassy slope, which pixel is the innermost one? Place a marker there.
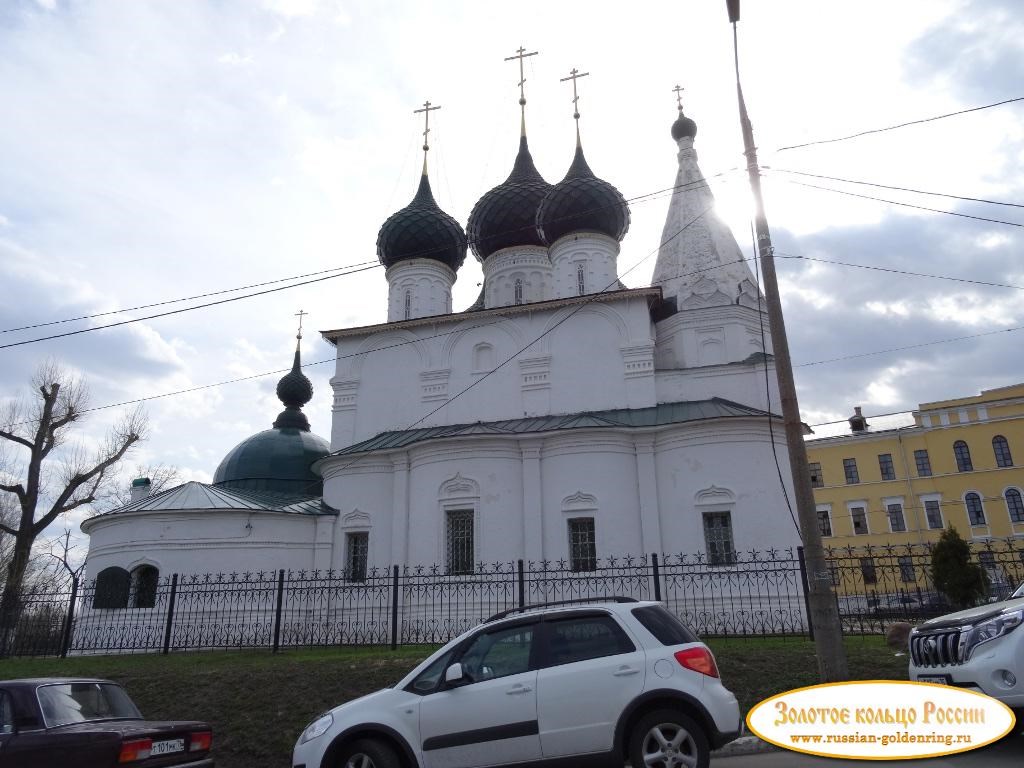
(258, 702)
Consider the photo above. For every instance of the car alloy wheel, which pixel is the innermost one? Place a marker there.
(667, 739)
(367, 753)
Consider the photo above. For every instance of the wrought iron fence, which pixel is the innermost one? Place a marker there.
(746, 594)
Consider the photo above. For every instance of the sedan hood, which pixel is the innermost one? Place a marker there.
(973, 615)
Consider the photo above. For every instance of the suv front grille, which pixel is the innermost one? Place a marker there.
(936, 649)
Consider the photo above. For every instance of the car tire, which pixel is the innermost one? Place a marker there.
(666, 738)
(369, 753)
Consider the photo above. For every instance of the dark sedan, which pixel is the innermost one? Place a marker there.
(81, 723)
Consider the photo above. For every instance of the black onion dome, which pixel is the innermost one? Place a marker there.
(683, 127)
(294, 390)
(506, 216)
(581, 202)
(421, 230)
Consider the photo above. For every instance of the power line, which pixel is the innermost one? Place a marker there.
(899, 189)
(894, 271)
(900, 125)
(905, 205)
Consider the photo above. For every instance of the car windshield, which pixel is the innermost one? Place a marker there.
(1019, 592)
(64, 703)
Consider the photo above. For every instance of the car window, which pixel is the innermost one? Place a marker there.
(585, 637)
(1019, 592)
(498, 653)
(78, 702)
(664, 625)
(6, 713)
(427, 680)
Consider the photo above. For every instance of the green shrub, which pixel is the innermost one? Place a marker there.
(964, 583)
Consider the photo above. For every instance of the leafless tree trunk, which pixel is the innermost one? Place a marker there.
(50, 477)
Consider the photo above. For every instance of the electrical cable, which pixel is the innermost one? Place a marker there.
(893, 271)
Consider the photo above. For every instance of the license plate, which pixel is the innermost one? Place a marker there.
(167, 747)
(941, 679)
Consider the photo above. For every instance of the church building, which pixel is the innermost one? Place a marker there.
(563, 417)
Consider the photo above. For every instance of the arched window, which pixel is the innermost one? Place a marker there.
(1001, 448)
(144, 582)
(975, 512)
(1015, 505)
(581, 281)
(963, 457)
(483, 357)
(408, 304)
(112, 585)
(519, 291)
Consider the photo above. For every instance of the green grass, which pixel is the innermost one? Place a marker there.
(259, 702)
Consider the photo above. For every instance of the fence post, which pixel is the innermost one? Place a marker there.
(522, 585)
(65, 643)
(807, 600)
(656, 573)
(170, 613)
(277, 610)
(394, 608)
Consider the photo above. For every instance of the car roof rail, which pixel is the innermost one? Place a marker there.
(577, 601)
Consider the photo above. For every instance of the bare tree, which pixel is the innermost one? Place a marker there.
(52, 476)
(161, 477)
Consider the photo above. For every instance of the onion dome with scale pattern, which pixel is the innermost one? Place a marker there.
(506, 216)
(581, 202)
(683, 127)
(280, 459)
(422, 230)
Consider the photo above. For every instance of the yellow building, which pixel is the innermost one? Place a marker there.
(961, 463)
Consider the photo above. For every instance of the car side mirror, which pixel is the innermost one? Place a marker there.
(454, 676)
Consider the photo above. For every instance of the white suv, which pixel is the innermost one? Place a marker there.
(578, 685)
(980, 648)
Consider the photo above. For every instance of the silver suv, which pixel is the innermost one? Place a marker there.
(593, 684)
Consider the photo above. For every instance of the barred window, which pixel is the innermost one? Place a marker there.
(963, 457)
(408, 304)
(896, 521)
(144, 583)
(1015, 505)
(718, 538)
(975, 512)
(906, 568)
(850, 469)
(817, 480)
(885, 466)
(1002, 450)
(112, 587)
(581, 282)
(824, 522)
(933, 513)
(860, 521)
(582, 544)
(867, 570)
(459, 540)
(357, 549)
(924, 464)
(519, 291)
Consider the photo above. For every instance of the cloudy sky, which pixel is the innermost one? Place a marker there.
(151, 151)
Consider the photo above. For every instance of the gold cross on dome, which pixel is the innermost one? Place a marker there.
(574, 75)
(521, 54)
(299, 315)
(679, 97)
(427, 109)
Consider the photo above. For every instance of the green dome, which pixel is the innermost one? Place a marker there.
(277, 460)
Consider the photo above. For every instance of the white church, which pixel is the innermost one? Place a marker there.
(561, 417)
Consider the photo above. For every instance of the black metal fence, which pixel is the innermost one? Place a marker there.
(749, 594)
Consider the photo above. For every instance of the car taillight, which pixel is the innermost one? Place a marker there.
(199, 741)
(136, 749)
(699, 660)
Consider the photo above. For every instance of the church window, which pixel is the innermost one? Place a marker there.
(581, 282)
(924, 464)
(112, 586)
(519, 291)
(459, 541)
(824, 522)
(718, 538)
(582, 544)
(1002, 450)
(860, 521)
(975, 512)
(408, 304)
(896, 522)
(1015, 505)
(963, 457)
(817, 480)
(933, 513)
(144, 582)
(850, 469)
(357, 549)
(885, 466)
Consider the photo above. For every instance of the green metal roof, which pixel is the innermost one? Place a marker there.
(656, 416)
(276, 460)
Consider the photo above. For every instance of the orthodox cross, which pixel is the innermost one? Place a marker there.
(521, 54)
(679, 97)
(427, 109)
(574, 75)
(299, 315)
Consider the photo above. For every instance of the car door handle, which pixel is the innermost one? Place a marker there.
(625, 672)
(518, 689)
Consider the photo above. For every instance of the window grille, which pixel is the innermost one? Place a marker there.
(718, 538)
(850, 469)
(933, 513)
(817, 480)
(459, 540)
(582, 544)
(1002, 450)
(519, 292)
(975, 512)
(408, 305)
(824, 522)
(357, 553)
(581, 284)
(860, 521)
(1015, 505)
(867, 570)
(896, 521)
(885, 466)
(963, 457)
(143, 586)
(906, 568)
(924, 464)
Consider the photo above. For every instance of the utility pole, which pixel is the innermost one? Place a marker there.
(824, 618)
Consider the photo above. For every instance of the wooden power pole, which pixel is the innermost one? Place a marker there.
(824, 618)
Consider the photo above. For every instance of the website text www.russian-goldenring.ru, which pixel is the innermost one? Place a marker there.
(902, 737)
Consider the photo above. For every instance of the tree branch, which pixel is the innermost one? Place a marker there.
(4, 434)
(7, 529)
(18, 490)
